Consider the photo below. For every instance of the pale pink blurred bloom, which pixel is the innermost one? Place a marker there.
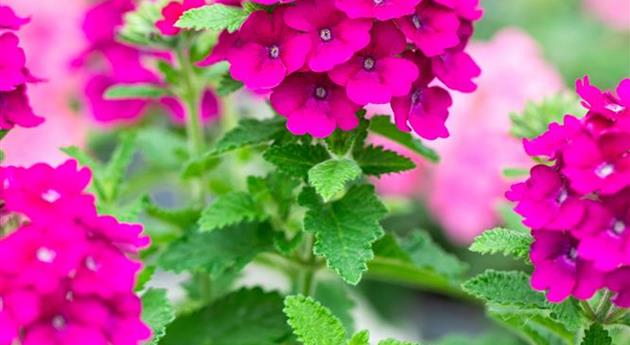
(51, 39)
(614, 13)
(462, 191)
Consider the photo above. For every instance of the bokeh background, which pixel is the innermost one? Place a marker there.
(528, 50)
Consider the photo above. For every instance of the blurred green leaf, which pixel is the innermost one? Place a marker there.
(157, 313)
(215, 17)
(135, 91)
(230, 209)
(376, 160)
(381, 125)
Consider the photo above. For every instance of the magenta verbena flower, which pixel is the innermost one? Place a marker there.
(171, 14)
(578, 201)
(377, 51)
(9, 20)
(66, 273)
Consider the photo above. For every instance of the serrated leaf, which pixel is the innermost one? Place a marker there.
(215, 17)
(144, 277)
(312, 323)
(135, 91)
(244, 317)
(376, 160)
(330, 177)
(334, 295)
(116, 168)
(510, 288)
(395, 342)
(536, 117)
(340, 142)
(139, 24)
(218, 251)
(381, 125)
(361, 338)
(157, 313)
(596, 335)
(184, 218)
(345, 229)
(230, 209)
(534, 328)
(249, 132)
(227, 85)
(499, 240)
(296, 159)
(424, 252)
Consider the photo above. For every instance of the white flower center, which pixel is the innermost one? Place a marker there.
(369, 63)
(90, 263)
(562, 196)
(417, 23)
(51, 195)
(604, 170)
(58, 322)
(274, 51)
(45, 255)
(325, 34)
(320, 92)
(619, 227)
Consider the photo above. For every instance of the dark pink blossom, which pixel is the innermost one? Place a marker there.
(314, 105)
(559, 270)
(376, 74)
(431, 28)
(545, 200)
(467, 9)
(104, 110)
(603, 103)
(456, 69)
(270, 50)
(598, 164)
(171, 13)
(334, 37)
(554, 139)
(424, 108)
(619, 282)
(221, 52)
(9, 20)
(15, 110)
(209, 107)
(379, 9)
(12, 63)
(103, 20)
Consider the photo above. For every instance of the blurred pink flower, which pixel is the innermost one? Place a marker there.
(50, 41)
(615, 13)
(462, 190)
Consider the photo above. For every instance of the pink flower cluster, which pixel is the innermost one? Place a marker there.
(66, 277)
(111, 62)
(578, 201)
(15, 108)
(322, 60)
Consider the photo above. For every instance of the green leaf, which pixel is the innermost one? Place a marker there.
(536, 117)
(330, 177)
(218, 251)
(296, 159)
(345, 229)
(312, 323)
(340, 142)
(227, 85)
(244, 317)
(424, 252)
(230, 209)
(135, 91)
(361, 338)
(510, 288)
(144, 277)
(183, 218)
(499, 240)
(160, 147)
(396, 342)
(116, 168)
(197, 167)
(83, 158)
(375, 160)
(139, 24)
(157, 313)
(534, 328)
(382, 125)
(596, 335)
(249, 132)
(215, 17)
(334, 295)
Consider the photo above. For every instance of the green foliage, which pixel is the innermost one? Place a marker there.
(157, 313)
(183, 218)
(230, 209)
(218, 251)
(249, 132)
(139, 25)
(424, 252)
(312, 323)
(376, 160)
(536, 117)
(296, 159)
(345, 229)
(361, 338)
(395, 342)
(499, 240)
(334, 295)
(215, 17)
(330, 177)
(381, 125)
(505, 288)
(596, 335)
(227, 85)
(135, 91)
(244, 317)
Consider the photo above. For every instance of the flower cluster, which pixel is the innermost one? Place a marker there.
(15, 108)
(578, 203)
(66, 277)
(322, 60)
(111, 62)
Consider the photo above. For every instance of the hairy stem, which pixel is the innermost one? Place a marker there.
(603, 307)
(588, 310)
(307, 275)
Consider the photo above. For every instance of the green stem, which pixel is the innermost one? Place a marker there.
(604, 306)
(586, 307)
(615, 315)
(307, 275)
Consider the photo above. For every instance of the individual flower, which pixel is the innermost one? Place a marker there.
(376, 74)
(554, 139)
(424, 108)
(618, 282)
(334, 37)
(546, 201)
(467, 9)
(558, 268)
(9, 20)
(431, 28)
(221, 52)
(456, 69)
(269, 51)
(314, 105)
(105, 110)
(12, 63)
(15, 109)
(171, 13)
(379, 9)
